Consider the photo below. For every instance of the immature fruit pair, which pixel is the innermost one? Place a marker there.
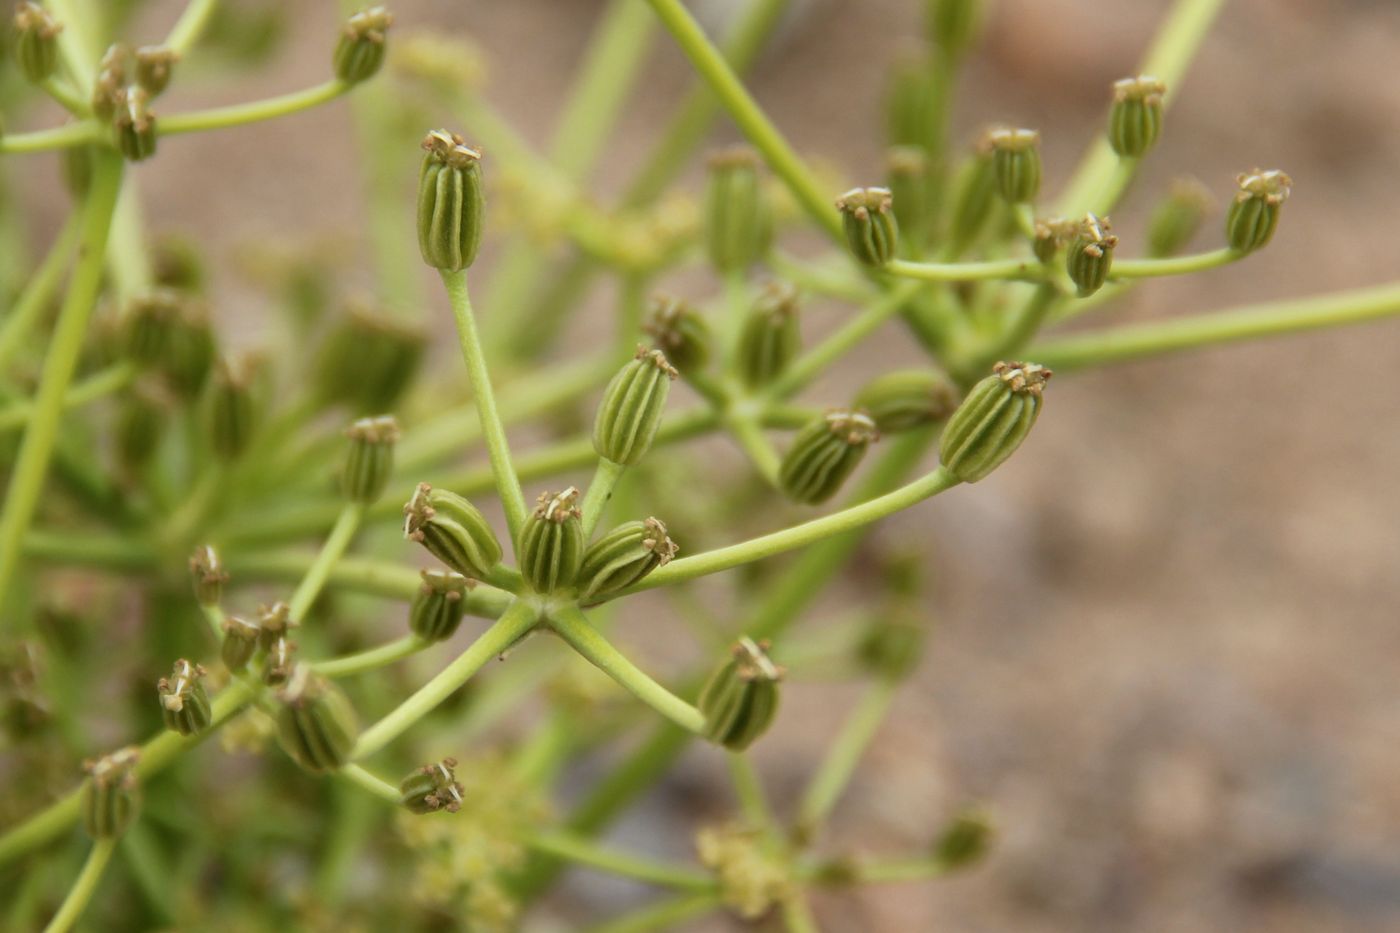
(993, 420)
(825, 453)
(111, 795)
(741, 698)
(370, 460)
(184, 703)
(633, 403)
(738, 217)
(453, 530)
(315, 722)
(360, 51)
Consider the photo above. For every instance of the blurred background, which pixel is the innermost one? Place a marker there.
(1167, 632)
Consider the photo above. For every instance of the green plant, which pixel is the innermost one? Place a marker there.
(238, 463)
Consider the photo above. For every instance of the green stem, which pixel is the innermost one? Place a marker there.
(372, 784)
(82, 890)
(30, 305)
(595, 501)
(797, 914)
(753, 803)
(669, 914)
(1028, 270)
(32, 462)
(507, 484)
(191, 25)
(363, 576)
(334, 548)
(756, 445)
(219, 118)
(586, 852)
(372, 658)
(68, 98)
(574, 628)
(818, 359)
(835, 771)
(127, 263)
(97, 386)
(1174, 265)
(1023, 327)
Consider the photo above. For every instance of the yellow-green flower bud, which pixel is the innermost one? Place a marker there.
(738, 217)
(892, 645)
(370, 460)
(1089, 255)
(1177, 217)
(867, 216)
(825, 453)
(1016, 156)
(741, 698)
(1253, 215)
(633, 403)
(438, 606)
(770, 337)
(315, 722)
(680, 332)
(451, 202)
(622, 557)
(911, 104)
(964, 841)
(368, 359)
(109, 87)
(134, 125)
(1135, 121)
(993, 420)
(154, 66)
(360, 51)
(231, 408)
(111, 795)
(908, 398)
(240, 642)
(209, 575)
(911, 187)
(551, 542)
(184, 703)
(453, 530)
(432, 788)
(953, 25)
(974, 198)
(36, 41)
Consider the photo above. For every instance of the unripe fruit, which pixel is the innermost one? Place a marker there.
(964, 841)
(910, 181)
(1135, 120)
(974, 198)
(633, 403)
(1016, 156)
(993, 420)
(315, 722)
(209, 575)
(741, 698)
(738, 216)
(1177, 217)
(680, 332)
(623, 557)
(867, 217)
(369, 463)
(184, 703)
(1253, 216)
(432, 788)
(154, 65)
(911, 104)
(825, 453)
(770, 337)
(368, 359)
(1089, 255)
(36, 41)
(438, 606)
(451, 202)
(134, 125)
(551, 542)
(111, 795)
(907, 399)
(240, 642)
(453, 530)
(360, 51)
(231, 409)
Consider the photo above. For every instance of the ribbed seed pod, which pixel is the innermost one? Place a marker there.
(360, 51)
(622, 557)
(148, 325)
(368, 359)
(825, 453)
(738, 216)
(911, 104)
(1050, 235)
(770, 337)
(741, 698)
(432, 788)
(109, 87)
(974, 198)
(1016, 155)
(908, 398)
(1135, 120)
(231, 409)
(189, 357)
(964, 840)
(1253, 215)
(316, 723)
(993, 420)
(953, 24)
(551, 542)
(867, 216)
(240, 642)
(134, 125)
(453, 530)
(370, 460)
(274, 622)
(680, 332)
(451, 202)
(891, 647)
(142, 418)
(633, 403)
(438, 607)
(36, 41)
(911, 187)
(111, 795)
(154, 67)
(184, 703)
(209, 575)
(1089, 255)
(1177, 217)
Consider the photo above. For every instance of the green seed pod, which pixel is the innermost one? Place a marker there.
(1050, 235)
(993, 420)
(741, 698)
(370, 461)
(184, 703)
(892, 645)
(316, 723)
(230, 408)
(622, 557)
(432, 788)
(142, 418)
(360, 51)
(680, 332)
(1177, 217)
(1135, 121)
(825, 453)
(134, 125)
(867, 216)
(189, 351)
(953, 25)
(154, 66)
(911, 104)
(453, 530)
(148, 326)
(274, 622)
(1016, 156)
(911, 187)
(551, 542)
(964, 841)
(439, 605)
(109, 87)
(209, 575)
(280, 662)
(1089, 255)
(450, 202)
(633, 403)
(908, 398)
(36, 41)
(738, 217)
(240, 642)
(111, 795)
(1253, 215)
(770, 337)
(974, 199)
(368, 359)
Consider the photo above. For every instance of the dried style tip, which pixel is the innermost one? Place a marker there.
(1016, 157)
(741, 698)
(680, 332)
(738, 216)
(993, 420)
(1177, 217)
(370, 460)
(551, 542)
(867, 216)
(134, 125)
(1135, 120)
(453, 530)
(908, 399)
(451, 202)
(154, 67)
(1253, 215)
(1050, 235)
(1090, 254)
(184, 703)
(108, 88)
(316, 723)
(633, 403)
(274, 622)
(432, 788)
(360, 51)
(825, 453)
(231, 410)
(771, 336)
(240, 642)
(964, 841)
(36, 41)
(111, 795)
(438, 606)
(622, 557)
(209, 575)
(280, 661)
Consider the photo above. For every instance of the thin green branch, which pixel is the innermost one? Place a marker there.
(834, 773)
(371, 658)
(81, 892)
(191, 25)
(220, 118)
(595, 500)
(668, 914)
(30, 305)
(1173, 265)
(586, 852)
(319, 572)
(1024, 270)
(372, 784)
(99, 385)
(753, 802)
